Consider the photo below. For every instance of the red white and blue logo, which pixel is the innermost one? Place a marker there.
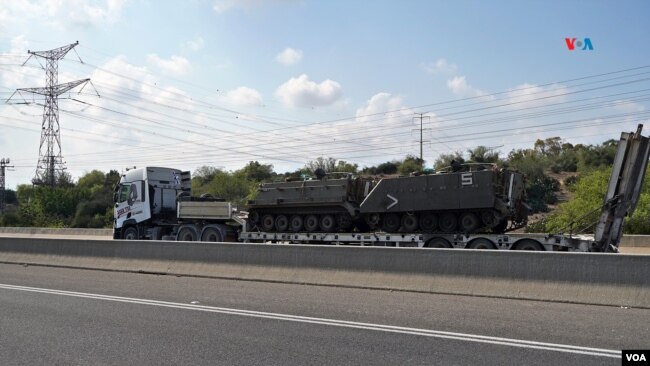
(580, 44)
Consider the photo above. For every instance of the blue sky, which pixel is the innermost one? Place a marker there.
(222, 82)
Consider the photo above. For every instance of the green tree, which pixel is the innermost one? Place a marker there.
(254, 171)
(483, 154)
(444, 160)
(410, 164)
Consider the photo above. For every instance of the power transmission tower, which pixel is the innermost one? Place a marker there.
(50, 160)
(4, 163)
(421, 118)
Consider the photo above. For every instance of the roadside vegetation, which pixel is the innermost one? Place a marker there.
(571, 179)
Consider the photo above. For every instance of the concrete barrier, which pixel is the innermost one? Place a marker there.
(56, 231)
(590, 278)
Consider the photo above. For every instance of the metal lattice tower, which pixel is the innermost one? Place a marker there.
(50, 159)
(4, 163)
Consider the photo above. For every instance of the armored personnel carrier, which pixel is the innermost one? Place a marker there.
(464, 198)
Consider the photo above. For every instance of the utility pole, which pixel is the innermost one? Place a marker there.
(421, 117)
(50, 159)
(4, 163)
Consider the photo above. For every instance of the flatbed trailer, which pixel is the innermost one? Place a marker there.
(156, 203)
(513, 241)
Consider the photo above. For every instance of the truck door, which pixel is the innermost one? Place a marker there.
(130, 203)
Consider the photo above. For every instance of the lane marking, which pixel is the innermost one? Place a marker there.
(333, 322)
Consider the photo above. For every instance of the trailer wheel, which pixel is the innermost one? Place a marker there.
(130, 233)
(295, 223)
(428, 222)
(187, 233)
(311, 223)
(211, 234)
(390, 223)
(438, 243)
(528, 244)
(448, 222)
(281, 223)
(481, 243)
(268, 222)
(410, 222)
(327, 223)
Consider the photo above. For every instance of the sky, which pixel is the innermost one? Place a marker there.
(222, 82)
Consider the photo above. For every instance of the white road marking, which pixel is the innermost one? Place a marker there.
(333, 322)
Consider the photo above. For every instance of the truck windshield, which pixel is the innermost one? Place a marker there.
(123, 195)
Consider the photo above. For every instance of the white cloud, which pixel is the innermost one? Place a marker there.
(195, 44)
(302, 92)
(242, 97)
(176, 65)
(289, 56)
(441, 66)
(459, 86)
(383, 103)
(62, 13)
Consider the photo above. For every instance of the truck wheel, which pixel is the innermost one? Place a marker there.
(130, 233)
(211, 234)
(295, 223)
(281, 223)
(311, 223)
(268, 223)
(410, 223)
(438, 243)
(428, 222)
(187, 233)
(528, 244)
(327, 223)
(448, 222)
(390, 223)
(481, 244)
(468, 222)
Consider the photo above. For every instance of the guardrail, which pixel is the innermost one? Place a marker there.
(589, 278)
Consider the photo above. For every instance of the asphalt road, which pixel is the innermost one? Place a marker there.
(67, 316)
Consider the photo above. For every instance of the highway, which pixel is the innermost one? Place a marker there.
(72, 316)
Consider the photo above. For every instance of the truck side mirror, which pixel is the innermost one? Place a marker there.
(116, 193)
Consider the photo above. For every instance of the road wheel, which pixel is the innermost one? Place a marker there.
(468, 222)
(268, 222)
(481, 244)
(528, 244)
(488, 219)
(327, 223)
(390, 223)
(130, 233)
(428, 222)
(438, 243)
(410, 223)
(187, 233)
(281, 223)
(295, 223)
(211, 234)
(448, 222)
(311, 223)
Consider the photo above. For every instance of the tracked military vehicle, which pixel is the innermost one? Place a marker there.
(464, 198)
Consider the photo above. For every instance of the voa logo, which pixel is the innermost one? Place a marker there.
(573, 43)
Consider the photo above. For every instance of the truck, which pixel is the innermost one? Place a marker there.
(156, 203)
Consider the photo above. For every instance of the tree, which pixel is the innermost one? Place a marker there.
(483, 154)
(444, 160)
(255, 171)
(410, 164)
(327, 164)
